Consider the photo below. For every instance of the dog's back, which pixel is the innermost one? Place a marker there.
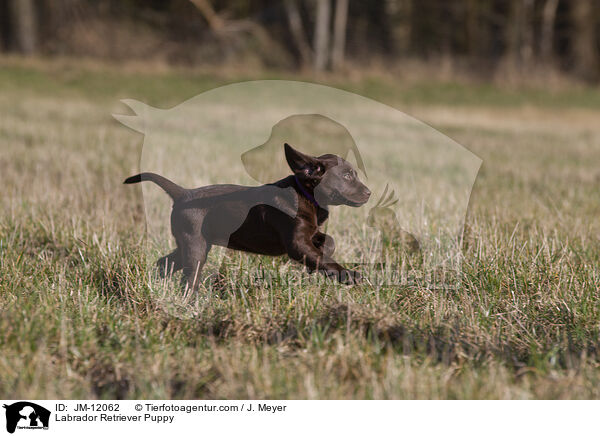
(238, 217)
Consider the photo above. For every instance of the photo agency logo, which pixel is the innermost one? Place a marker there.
(338, 182)
(25, 415)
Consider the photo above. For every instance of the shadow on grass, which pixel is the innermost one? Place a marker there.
(444, 344)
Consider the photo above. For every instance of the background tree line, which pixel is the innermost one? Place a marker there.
(482, 36)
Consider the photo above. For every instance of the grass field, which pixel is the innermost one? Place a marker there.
(79, 318)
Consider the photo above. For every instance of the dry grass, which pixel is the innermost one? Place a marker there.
(80, 317)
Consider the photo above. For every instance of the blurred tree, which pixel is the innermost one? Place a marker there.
(585, 49)
(519, 35)
(339, 34)
(399, 13)
(297, 31)
(547, 33)
(321, 36)
(23, 25)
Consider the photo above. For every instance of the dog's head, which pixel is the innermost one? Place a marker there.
(330, 179)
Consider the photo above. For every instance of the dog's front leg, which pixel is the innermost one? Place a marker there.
(303, 250)
(325, 243)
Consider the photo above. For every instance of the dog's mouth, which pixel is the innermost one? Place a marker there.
(352, 202)
(357, 203)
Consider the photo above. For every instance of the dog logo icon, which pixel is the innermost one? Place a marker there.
(26, 415)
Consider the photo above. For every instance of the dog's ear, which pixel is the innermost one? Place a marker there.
(301, 163)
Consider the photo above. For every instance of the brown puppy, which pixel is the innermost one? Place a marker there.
(283, 217)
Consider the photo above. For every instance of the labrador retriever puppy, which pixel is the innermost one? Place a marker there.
(279, 218)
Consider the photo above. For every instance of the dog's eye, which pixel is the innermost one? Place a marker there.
(348, 176)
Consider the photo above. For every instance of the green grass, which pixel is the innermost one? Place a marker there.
(167, 88)
(81, 317)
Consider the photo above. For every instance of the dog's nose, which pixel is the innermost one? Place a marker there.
(367, 192)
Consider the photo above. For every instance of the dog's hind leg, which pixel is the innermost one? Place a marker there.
(169, 264)
(194, 255)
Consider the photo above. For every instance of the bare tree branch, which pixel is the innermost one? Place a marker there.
(214, 21)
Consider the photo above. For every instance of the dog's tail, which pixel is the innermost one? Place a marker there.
(175, 191)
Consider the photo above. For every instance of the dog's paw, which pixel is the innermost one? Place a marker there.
(349, 277)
